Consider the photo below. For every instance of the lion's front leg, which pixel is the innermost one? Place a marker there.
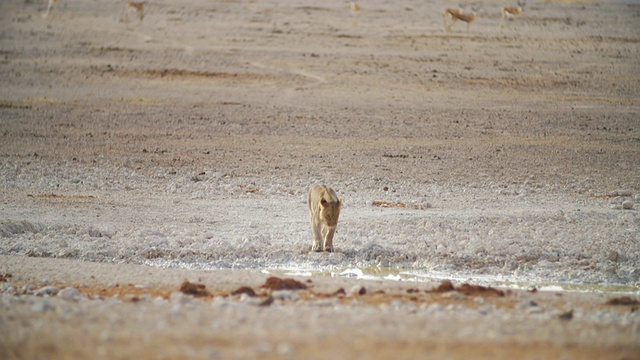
(317, 237)
(328, 233)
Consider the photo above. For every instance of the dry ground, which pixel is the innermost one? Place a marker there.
(296, 91)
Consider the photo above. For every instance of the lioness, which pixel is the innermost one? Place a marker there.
(324, 209)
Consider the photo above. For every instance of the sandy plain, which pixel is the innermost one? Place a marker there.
(97, 114)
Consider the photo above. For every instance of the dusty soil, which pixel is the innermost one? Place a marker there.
(98, 116)
(124, 311)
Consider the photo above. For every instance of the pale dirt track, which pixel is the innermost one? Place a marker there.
(98, 116)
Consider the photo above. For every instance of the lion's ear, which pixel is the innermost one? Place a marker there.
(323, 202)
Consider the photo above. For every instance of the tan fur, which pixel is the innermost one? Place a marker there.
(455, 15)
(511, 10)
(136, 8)
(355, 8)
(324, 210)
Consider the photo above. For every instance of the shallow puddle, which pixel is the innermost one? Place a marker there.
(398, 274)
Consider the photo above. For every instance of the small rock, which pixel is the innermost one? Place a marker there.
(244, 290)
(627, 205)
(131, 298)
(445, 286)
(8, 288)
(69, 294)
(566, 315)
(47, 290)
(268, 301)
(194, 289)
(357, 290)
(108, 231)
(339, 292)
(251, 300)
(26, 289)
(94, 233)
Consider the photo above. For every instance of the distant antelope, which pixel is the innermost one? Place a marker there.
(512, 10)
(455, 15)
(135, 7)
(354, 7)
(52, 4)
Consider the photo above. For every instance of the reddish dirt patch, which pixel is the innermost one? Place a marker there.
(624, 300)
(445, 286)
(390, 204)
(275, 283)
(244, 290)
(194, 289)
(469, 290)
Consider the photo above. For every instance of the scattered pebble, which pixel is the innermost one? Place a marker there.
(627, 205)
(249, 299)
(194, 289)
(47, 290)
(566, 315)
(244, 290)
(444, 286)
(8, 288)
(357, 290)
(268, 301)
(70, 294)
(26, 289)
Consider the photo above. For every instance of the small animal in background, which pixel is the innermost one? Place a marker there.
(354, 7)
(511, 11)
(457, 14)
(136, 8)
(52, 4)
(324, 210)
